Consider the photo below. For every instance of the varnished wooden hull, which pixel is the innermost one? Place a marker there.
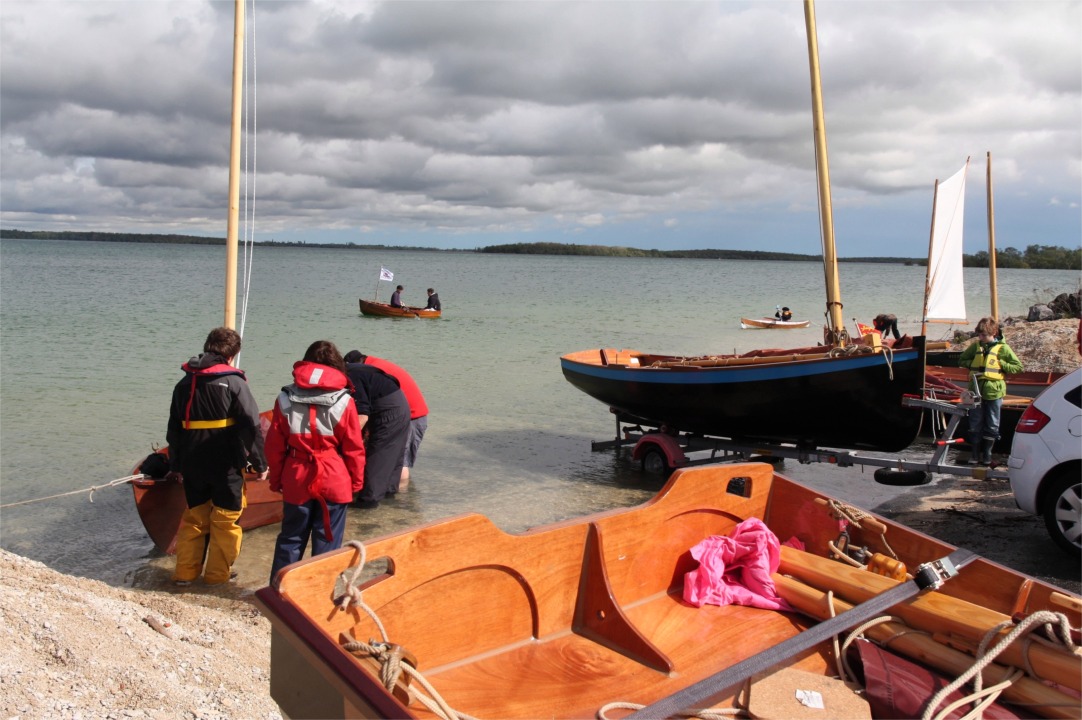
(378, 309)
(772, 324)
(798, 396)
(160, 504)
(561, 620)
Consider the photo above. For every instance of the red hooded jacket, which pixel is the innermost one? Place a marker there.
(314, 446)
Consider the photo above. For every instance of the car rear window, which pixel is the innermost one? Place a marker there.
(1074, 396)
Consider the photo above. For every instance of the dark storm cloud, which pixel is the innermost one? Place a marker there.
(479, 116)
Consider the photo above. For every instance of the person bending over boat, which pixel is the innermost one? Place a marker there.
(213, 434)
(784, 315)
(418, 409)
(885, 323)
(433, 300)
(396, 297)
(316, 455)
(987, 359)
(385, 416)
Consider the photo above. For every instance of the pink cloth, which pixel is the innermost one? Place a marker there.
(736, 570)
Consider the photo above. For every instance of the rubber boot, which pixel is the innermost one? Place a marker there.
(974, 451)
(986, 451)
(192, 542)
(225, 540)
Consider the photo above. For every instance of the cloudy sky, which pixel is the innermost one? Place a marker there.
(668, 125)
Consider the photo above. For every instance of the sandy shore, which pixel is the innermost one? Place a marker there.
(78, 648)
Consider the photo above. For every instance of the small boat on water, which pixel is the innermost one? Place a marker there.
(160, 502)
(378, 309)
(769, 323)
(564, 620)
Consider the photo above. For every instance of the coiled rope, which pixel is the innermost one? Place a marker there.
(92, 489)
(387, 655)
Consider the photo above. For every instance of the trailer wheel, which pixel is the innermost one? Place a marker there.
(655, 462)
(902, 478)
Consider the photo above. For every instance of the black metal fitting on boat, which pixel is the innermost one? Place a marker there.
(932, 575)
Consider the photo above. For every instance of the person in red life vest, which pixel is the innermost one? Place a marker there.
(316, 455)
(213, 434)
(418, 408)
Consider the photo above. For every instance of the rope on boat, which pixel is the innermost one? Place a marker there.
(388, 656)
(92, 489)
(854, 515)
(1055, 626)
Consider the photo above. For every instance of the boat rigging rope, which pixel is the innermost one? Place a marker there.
(707, 714)
(854, 515)
(91, 490)
(249, 168)
(1050, 621)
(388, 656)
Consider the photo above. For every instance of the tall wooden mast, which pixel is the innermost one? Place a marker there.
(234, 168)
(834, 333)
(992, 246)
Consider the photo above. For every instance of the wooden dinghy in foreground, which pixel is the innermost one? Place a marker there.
(769, 323)
(378, 309)
(160, 503)
(562, 620)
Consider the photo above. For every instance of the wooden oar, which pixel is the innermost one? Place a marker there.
(931, 612)
(1033, 694)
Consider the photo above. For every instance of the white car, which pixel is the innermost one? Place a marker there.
(1045, 464)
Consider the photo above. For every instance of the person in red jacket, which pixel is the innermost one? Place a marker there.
(316, 455)
(418, 408)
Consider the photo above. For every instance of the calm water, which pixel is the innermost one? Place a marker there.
(93, 336)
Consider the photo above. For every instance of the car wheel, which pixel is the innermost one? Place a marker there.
(655, 463)
(1063, 510)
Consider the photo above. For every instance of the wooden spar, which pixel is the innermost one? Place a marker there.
(899, 638)
(992, 246)
(834, 333)
(234, 169)
(933, 612)
(928, 267)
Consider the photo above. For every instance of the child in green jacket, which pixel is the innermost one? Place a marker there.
(987, 359)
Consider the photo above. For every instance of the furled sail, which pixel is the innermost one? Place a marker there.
(945, 299)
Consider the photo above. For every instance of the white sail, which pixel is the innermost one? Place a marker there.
(945, 294)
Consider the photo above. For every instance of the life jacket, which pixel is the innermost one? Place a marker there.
(195, 373)
(312, 415)
(986, 361)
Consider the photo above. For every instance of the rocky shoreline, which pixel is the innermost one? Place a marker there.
(78, 648)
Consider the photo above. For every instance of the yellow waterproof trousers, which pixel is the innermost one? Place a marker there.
(222, 550)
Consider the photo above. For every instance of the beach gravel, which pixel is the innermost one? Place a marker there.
(78, 648)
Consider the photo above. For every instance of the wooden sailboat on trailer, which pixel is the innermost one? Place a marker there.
(160, 502)
(842, 394)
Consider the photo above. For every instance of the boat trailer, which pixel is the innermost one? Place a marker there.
(662, 449)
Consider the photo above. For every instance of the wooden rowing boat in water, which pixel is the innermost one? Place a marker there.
(565, 619)
(378, 309)
(769, 323)
(160, 503)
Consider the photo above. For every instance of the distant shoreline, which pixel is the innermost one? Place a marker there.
(1051, 258)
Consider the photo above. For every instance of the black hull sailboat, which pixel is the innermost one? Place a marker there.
(843, 394)
(810, 397)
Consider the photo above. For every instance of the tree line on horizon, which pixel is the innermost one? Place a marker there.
(1037, 257)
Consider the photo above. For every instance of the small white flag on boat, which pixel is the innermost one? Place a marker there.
(385, 274)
